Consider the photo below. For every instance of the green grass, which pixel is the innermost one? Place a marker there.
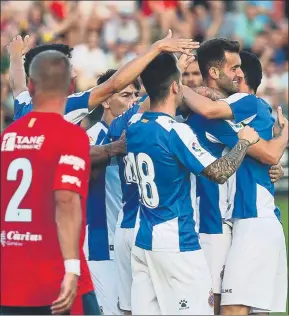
(282, 202)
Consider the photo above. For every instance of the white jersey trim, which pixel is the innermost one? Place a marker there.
(187, 136)
(24, 97)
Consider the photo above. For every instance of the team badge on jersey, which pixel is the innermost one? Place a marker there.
(197, 149)
(211, 298)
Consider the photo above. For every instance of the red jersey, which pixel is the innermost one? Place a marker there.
(40, 153)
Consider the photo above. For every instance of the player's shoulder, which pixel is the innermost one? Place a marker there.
(97, 133)
(68, 128)
(121, 123)
(241, 97)
(170, 125)
(77, 95)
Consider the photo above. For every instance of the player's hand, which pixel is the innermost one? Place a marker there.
(185, 60)
(248, 133)
(121, 144)
(282, 120)
(276, 172)
(18, 46)
(67, 294)
(174, 45)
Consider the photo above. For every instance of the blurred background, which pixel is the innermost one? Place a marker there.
(107, 34)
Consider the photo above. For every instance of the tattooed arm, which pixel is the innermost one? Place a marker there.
(210, 93)
(199, 102)
(222, 169)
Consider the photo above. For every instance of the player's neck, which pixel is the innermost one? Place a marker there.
(49, 104)
(213, 85)
(165, 107)
(107, 117)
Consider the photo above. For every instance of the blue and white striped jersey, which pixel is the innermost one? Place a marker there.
(212, 198)
(161, 156)
(76, 106)
(130, 197)
(103, 205)
(252, 192)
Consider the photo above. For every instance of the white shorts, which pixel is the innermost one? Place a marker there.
(256, 267)
(123, 241)
(166, 283)
(104, 276)
(216, 248)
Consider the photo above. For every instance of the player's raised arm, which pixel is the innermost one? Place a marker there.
(16, 49)
(129, 72)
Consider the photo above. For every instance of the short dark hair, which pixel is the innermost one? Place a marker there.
(211, 53)
(252, 69)
(159, 75)
(50, 71)
(109, 73)
(64, 49)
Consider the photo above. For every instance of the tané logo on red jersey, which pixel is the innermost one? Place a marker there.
(12, 141)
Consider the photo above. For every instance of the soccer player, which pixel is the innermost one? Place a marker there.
(104, 204)
(258, 245)
(219, 62)
(44, 181)
(124, 233)
(125, 228)
(170, 272)
(192, 76)
(80, 104)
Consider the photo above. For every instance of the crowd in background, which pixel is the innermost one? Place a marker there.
(107, 34)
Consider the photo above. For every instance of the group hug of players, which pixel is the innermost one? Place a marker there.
(164, 207)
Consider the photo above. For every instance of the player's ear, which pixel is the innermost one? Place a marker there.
(175, 87)
(31, 87)
(214, 73)
(105, 104)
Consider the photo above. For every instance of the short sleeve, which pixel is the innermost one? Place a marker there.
(77, 106)
(22, 105)
(244, 107)
(184, 145)
(72, 172)
(224, 132)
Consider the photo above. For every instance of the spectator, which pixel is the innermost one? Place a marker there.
(123, 28)
(248, 26)
(215, 22)
(270, 85)
(88, 59)
(118, 55)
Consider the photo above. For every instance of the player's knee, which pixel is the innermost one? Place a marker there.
(235, 310)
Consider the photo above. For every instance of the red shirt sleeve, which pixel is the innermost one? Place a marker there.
(72, 172)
